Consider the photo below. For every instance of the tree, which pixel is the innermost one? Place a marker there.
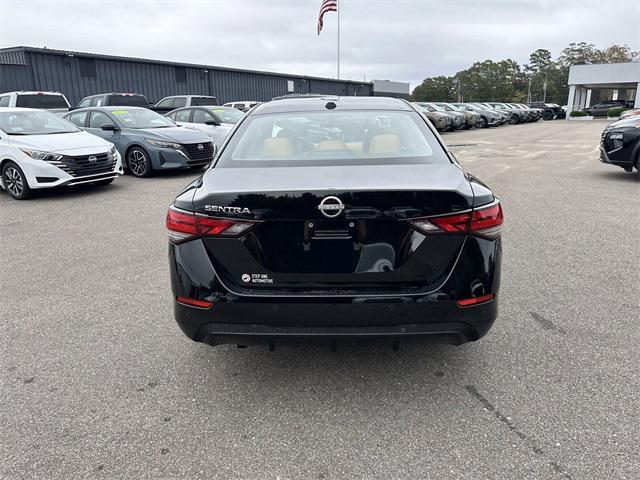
(506, 81)
(579, 54)
(435, 89)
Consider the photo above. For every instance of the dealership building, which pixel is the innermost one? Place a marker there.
(77, 75)
(590, 84)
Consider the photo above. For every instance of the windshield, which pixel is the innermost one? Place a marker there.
(436, 107)
(41, 101)
(444, 107)
(227, 115)
(34, 123)
(426, 107)
(141, 119)
(333, 138)
(197, 101)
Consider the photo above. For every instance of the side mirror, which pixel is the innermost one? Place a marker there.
(212, 122)
(109, 127)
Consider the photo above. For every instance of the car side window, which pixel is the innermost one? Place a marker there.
(98, 102)
(183, 116)
(98, 119)
(166, 103)
(179, 102)
(4, 101)
(200, 116)
(171, 116)
(78, 118)
(84, 103)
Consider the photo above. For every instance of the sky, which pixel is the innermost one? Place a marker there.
(398, 40)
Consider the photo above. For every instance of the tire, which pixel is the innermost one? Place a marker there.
(483, 123)
(102, 183)
(547, 116)
(514, 120)
(139, 163)
(15, 181)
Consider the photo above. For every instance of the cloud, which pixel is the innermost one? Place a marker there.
(397, 40)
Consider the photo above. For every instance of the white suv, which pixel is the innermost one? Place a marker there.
(54, 102)
(41, 150)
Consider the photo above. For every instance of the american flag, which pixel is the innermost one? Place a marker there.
(327, 6)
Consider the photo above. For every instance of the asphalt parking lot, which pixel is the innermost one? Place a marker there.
(97, 381)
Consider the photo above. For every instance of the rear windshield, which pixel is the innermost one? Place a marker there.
(41, 101)
(196, 101)
(128, 101)
(364, 137)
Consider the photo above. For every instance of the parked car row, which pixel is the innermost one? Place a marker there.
(455, 116)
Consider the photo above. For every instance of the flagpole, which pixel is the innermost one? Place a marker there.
(338, 11)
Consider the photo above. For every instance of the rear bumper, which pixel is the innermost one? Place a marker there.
(245, 323)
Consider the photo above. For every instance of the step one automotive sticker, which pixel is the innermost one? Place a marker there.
(256, 278)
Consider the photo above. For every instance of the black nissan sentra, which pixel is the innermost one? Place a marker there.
(334, 217)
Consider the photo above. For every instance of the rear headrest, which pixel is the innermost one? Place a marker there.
(277, 147)
(387, 143)
(332, 145)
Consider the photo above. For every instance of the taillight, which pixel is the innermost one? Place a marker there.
(183, 226)
(488, 221)
(485, 222)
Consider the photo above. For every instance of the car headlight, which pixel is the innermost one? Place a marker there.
(38, 155)
(161, 144)
(113, 151)
(616, 136)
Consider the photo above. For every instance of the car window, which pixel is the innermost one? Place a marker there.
(34, 122)
(4, 101)
(333, 138)
(196, 101)
(183, 116)
(201, 116)
(84, 103)
(166, 103)
(98, 119)
(97, 102)
(179, 102)
(78, 118)
(227, 115)
(171, 115)
(141, 118)
(128, 100)
(41, 101)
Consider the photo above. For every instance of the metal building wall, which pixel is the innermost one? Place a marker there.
(60, 71)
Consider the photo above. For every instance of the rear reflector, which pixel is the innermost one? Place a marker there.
(183, 225)
(194, 302)
(468, 302)
(485, 222)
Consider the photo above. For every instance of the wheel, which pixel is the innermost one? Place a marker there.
(483, 123)
(104, 182)
(513, 120)
(547, 116)
(15, 182)
(138, 163)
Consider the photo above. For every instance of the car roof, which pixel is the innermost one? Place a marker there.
(21, 109)
(319, 104)
(31, 92)
(107, 109)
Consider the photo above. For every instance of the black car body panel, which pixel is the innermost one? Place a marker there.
(365, 272)
(620, 144)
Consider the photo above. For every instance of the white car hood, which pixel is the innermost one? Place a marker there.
(76, 143)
